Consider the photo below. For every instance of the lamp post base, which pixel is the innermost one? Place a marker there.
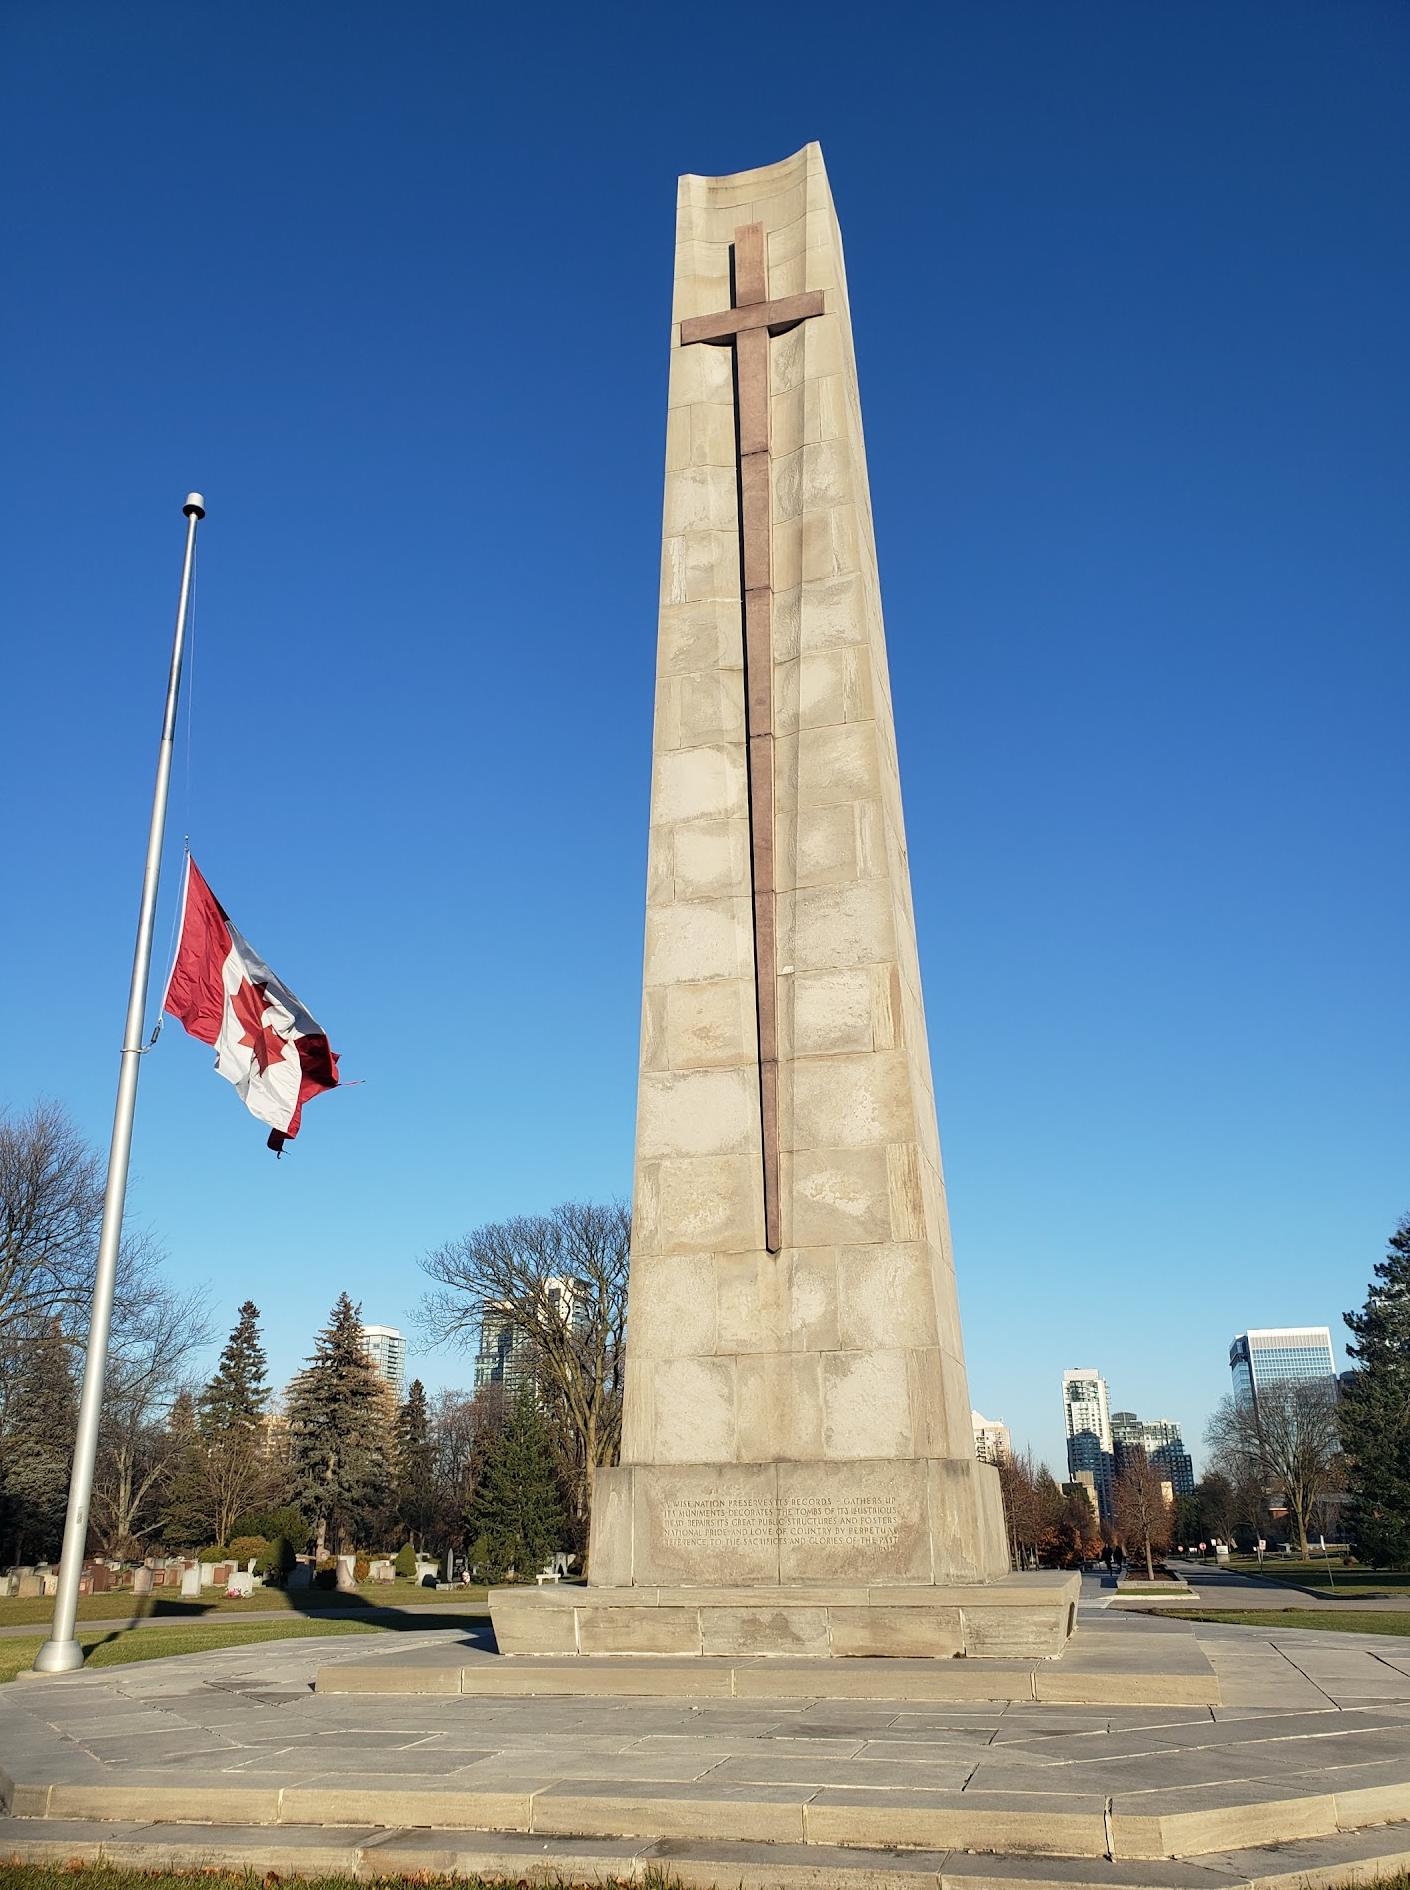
(58, 1657)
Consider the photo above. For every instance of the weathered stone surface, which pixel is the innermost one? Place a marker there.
(796, 1406)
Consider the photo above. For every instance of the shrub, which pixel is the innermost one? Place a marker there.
(405, 1564)
(277, 1560)
(362, 1568)
(273, 1523)
(217, 1553)
(243, 1547)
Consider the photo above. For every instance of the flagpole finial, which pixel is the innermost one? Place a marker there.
(195, 502)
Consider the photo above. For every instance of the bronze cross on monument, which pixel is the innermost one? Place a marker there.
(746, 327)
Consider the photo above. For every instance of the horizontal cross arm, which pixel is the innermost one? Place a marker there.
(786, 312)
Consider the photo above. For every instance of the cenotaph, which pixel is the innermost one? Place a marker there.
(798, 1474)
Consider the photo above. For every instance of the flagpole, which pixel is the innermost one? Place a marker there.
(61, 1653)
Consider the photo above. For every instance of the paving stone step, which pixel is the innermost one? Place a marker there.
(1049, 1818)
(1326, 1863)
(1099, 1669)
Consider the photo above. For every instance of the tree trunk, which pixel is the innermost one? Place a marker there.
(1150, 1566)
(320, 1539)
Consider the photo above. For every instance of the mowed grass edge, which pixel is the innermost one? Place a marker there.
(116, 1647)
(1318, 1620)
(120, 1604)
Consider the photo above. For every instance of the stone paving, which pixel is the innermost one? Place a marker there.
(1310, 1745)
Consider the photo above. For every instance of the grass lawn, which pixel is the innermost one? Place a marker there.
(1367, 1621)
(114, 1648)
(35, 1610)
(1365, 1583)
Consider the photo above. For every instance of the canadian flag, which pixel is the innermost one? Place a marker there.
(266, 1043)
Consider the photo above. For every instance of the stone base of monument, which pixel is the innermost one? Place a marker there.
(1021, 1617)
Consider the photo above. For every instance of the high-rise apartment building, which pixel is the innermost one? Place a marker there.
(1281, 1355)
(386, 1347)
(1163, 1444)
(1090, 1447)
(992, 1443)
(506, 1354)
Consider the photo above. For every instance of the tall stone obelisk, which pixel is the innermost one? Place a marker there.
(798, 1470)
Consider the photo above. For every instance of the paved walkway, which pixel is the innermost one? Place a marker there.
(1312, 1740)
(1231, 1588)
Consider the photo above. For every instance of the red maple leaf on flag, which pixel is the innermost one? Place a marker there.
(248, 1004)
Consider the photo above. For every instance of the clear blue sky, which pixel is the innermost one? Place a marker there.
(391, 285)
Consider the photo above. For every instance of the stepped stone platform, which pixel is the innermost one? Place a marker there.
(1023, 1617)
(1300, 1775)
(1100, 1667)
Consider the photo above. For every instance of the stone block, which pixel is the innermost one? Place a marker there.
(836, 1197)
(709, 860)
(408, 1802)
(841, 1520)
(640, 1631)
(790, 1629)
(521, 1628)
(917, 1633)
(1070, 1825)
(705, 1204)
(144, 1796)
(866, 1409)
(771, 1813)
(1204, 1818)
(705, 1524)
(697, 1112)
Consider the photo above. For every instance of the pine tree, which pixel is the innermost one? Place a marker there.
(1375, 1409)
(35, 1455)
(337, 1433)
(415, 1462)
(221, 1466)
(239, 1391)
(516, 1513)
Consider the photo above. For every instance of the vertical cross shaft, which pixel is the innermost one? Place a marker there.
(747, 326)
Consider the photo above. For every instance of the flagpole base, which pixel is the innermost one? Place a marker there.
(58, 1657)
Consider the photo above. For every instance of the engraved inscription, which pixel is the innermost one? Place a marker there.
(752, 1522)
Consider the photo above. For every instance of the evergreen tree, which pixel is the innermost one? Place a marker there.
(516, 1514)
(38, 1445)
(239, 1391)
(337, 1433)
(1375, 1409)
(221, 1466)
(186, 1513)
(415, 1463)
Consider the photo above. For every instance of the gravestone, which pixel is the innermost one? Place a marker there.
(191, 1580)
(797, 1471)
(142, 1580)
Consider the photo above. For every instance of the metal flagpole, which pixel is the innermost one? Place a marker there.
(61, 1653)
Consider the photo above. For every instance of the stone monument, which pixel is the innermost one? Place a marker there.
(798, 1473)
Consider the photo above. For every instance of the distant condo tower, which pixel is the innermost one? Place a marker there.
(1087, 1412)
(1280, 1355)
(386, 1347)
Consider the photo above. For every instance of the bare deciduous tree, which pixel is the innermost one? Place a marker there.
(51, 1203)
(1288, 1441)
(560, 1281)
(1140, 1509)
(147, 1365)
